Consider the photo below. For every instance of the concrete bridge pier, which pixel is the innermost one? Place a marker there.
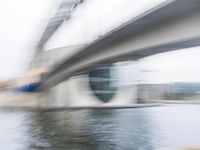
(77, 91)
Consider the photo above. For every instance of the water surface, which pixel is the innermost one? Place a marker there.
(149, 128)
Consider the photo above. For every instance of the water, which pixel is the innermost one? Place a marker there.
(117, 129)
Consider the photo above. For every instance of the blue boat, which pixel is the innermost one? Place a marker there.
(31, 87)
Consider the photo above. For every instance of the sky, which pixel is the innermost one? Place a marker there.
(22, 22)
(175, 66)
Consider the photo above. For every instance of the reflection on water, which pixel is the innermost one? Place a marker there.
(135, 129)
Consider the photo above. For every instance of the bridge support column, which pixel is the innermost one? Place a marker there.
(77, 91)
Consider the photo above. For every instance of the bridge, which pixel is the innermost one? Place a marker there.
(172, 25)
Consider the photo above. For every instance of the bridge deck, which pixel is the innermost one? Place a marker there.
(170, 26)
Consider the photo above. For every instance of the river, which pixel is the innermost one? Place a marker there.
(149, 128)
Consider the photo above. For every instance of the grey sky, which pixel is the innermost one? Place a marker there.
(20, 22)
(176, 66)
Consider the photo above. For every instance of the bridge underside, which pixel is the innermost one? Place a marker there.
(170, 26)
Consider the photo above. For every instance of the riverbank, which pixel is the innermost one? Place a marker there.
(17, 99)
(33, 101)
(197, 101)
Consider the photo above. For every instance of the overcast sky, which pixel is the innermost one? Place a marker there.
(176, 66)
(22, 22)
(20, 25)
